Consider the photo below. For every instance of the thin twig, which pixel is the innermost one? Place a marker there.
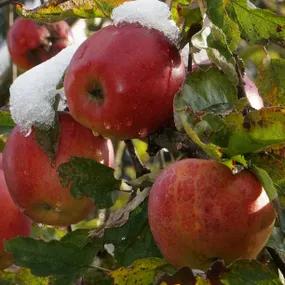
(241, 89)
(140, 169)
(4, 3)
(278, 7)
(100, 268)
(277, 259)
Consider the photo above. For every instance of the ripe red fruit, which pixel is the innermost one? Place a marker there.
(199, 211)
(31, 44)
(33, 181)
(122, 80)
(13, 223)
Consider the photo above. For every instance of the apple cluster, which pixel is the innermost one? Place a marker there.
(30, 43)
(120, 84)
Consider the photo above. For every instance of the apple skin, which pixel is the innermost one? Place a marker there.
(122, 80)
(199, 211)
(13, 222)
(30, 44)
(33, 181)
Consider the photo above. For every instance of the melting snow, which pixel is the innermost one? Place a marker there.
(32, 94)
(149, 13)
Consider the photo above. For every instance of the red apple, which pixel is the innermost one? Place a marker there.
(122, 80)
(199, 211)
(13, 223)
(30, 43)
(33, 181)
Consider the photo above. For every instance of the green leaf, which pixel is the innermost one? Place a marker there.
(219, 16)
(204, 91)
(274, 165)
(97, 277)
(133, 240)
(6, 122)
(66, 259)
(247, 272)
(208, 90)
(47, 233)
(256, 24)
(266, 182)
(216, 11)
(183, 276)
(22, 276)
(142, 272)
(90, 178)
(254, 131)
(271, 82)
(185, 14)
(186, 121)
(47, 138)
(55, 10)
(213, 41)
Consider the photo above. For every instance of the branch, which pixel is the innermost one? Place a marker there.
(5, 3)
(240, 72)
(277, 259)
(140, 169)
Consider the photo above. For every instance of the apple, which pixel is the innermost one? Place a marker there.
(30, 43)
(33, 180)
(199, 211)
(122, 80)
(13, 222)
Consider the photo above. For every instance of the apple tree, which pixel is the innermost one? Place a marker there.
(150, 149)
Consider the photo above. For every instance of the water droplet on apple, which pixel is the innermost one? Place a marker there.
(107, 126)
(142, 132)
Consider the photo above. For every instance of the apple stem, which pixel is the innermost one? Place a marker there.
(140, 169)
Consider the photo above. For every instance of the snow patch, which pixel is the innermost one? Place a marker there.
(33, 93)
(78, 31)
(4, 60)
(149, 13)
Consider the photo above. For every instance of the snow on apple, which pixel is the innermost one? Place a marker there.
(149, 13)
(33, 93)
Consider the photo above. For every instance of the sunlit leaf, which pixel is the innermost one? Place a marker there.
(54, 10)
(141, 272)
